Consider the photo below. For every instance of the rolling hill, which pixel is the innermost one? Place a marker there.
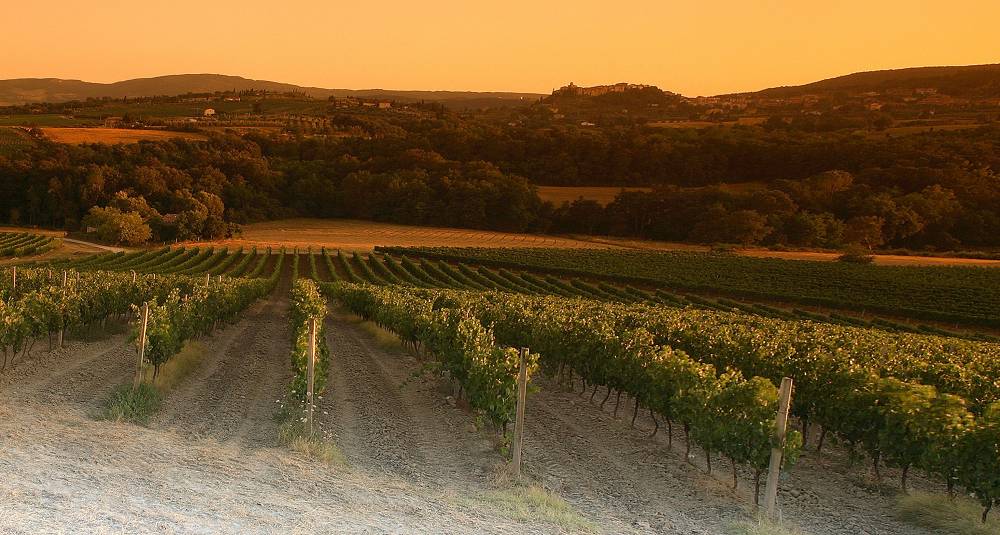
(29, 90)
(959, 81)
(972, 81)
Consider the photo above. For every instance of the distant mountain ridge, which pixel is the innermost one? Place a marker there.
(28, 90)
(971, 81)
(981, 81)
(956, 81)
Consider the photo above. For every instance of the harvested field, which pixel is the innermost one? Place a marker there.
(882, 260)
(352, 235)
(111, 136)
(363, 236)
(603, 195)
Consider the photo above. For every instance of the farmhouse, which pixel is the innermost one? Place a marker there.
(209, 112)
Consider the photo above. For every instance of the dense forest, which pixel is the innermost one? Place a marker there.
(768, 184)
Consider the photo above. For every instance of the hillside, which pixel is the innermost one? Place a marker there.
(957, 81)
(29, 90)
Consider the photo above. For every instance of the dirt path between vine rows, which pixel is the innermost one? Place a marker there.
(209, 462)
(599, 461)
(390, 417)
(415, 461)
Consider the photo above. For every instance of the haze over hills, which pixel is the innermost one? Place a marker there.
(30, 90)
(981, 81)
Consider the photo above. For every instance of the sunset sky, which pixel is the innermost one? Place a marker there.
(693, 48)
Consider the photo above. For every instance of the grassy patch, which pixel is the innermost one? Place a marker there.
(132, 405)
(138, 406)
(760, 526)
(532, 502)
(178, 367)
(937, 513)
(382, 337)
(292, 433)
(528, 502)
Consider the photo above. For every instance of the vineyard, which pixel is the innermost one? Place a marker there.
(22, 244)
(918, 402)
(967, 295)
(922, 403)
(14, 140)
(40, 302)
(429, 272)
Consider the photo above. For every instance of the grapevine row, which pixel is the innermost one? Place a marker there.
(425, 273)
(464, 349)
(181, 315)
(307, 305)
(968, 295)
(85, 299)
(23, 244)
(724, 413)
(861, 399)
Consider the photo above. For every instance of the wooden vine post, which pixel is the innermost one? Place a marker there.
(13, 285)
(141, 358)
(311, 374)
(62, 327)
(522, 394)
(780, 426)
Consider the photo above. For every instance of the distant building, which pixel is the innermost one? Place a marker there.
(347, 102)
(384, 104)
(209, 112)
(598, 90)
(113, 122)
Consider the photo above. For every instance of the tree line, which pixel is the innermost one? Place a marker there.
(747, 185)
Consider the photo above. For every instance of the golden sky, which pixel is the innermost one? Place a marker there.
(695, 48)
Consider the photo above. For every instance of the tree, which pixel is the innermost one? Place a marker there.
(582, 215)
(115, 226)
(745, 227)
(201, 215)
(866, 230)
